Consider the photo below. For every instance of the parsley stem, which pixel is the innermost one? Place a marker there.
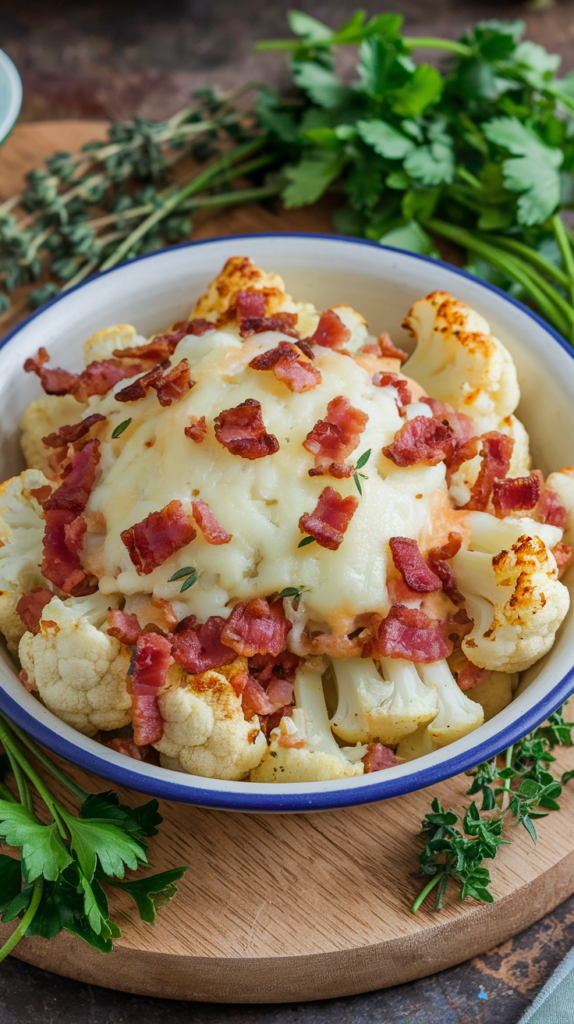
(441, 892)
(45, 760)
(428, 888)
(508, 764)
(563, 240)
(425, 43)
(197, 184)
(26, 921)
(540, 261)
(23, 788)
(11, 747)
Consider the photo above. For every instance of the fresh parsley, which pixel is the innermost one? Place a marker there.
(118, 431)
(522, 787)
(295, 592)
(192, 577)
(361, 461)
(66, 861)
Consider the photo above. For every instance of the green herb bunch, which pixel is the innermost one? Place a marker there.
(58, 883)
(523, 789)
(114, 200)
(480, 155)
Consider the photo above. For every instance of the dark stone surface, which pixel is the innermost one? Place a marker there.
(118, 57)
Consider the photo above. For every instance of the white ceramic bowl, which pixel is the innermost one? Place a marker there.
(381, 283)
(10, 94)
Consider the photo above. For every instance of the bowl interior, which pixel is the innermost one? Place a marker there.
(10, 94)
(381, 284)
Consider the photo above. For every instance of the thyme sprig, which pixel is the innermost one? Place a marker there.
(523, 788)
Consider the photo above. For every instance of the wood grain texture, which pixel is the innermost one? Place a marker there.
(285, 908)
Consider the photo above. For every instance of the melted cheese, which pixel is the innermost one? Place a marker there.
(259, 502)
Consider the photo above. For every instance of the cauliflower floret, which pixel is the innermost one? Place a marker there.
(458, 361)
(205, 730)
(520, 461)
(80, 671)
(101, 345)
(44, 416)
(372, 708)
(512, 592)
(494, 693)
(562, 484)
(416, 744)
(319, 757)
(21, 533)
(240, 274)
(457, 715)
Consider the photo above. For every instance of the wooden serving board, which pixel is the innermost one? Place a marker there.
(281, 908)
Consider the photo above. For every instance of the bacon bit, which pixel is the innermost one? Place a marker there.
(379, 757)
(383, 380)
(26, 682)
(197, 429)
(41, 494)
(242, 431)
(239, 682)
(280, 693)
(30, 607)
(123, 627)
(198, 647)
(438, 559)
(331, 440)
(390, 350)
(254, 699)
(471, 675)
(174, 384)
(463, 451)
(291, 741)
(158, 536)
(331, 331)
(263, 666)
(65, 528)
(151, 663)
(421, 439)
(210, 528)
(330, 519)
(54, 381)
(33, 363)
(139, 389)
(461, 425)
(335, 469)
(283, 323)
(73, 493)
(256, 628)
(146, 719)
(412, 566)
(155, 351)
(125, 745)
(166, 609)
(72, 431)
(305, 348)
(409, 633)
(196, 327)
(549, 508)
(562, 553)
(517, 494)
(285, 362)
(250, 306)
(99, 377)
(496, 451)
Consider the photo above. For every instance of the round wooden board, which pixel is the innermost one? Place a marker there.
(282, 908)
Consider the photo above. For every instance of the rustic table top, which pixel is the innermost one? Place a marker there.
(111, 58)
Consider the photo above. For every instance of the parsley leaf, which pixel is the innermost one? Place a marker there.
(43, 852)
(419, 92)
(534, 171)
(120, 428)
(309, 178)
(320, 83)
(431, 164)
(384, 139)
(153, 892)
(93, 840)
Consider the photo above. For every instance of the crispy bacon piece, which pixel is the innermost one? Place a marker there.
(125, 745)
(197, 326)
(422, 439)
(379, 757)
(340, 472)
(256, 628)
(97, 378)
(158, 536)
(197, 429)
(283, 323)
(255, 699)
(471, 675)
(164, 345)
(409, 633)
(390, 350)
(30, 607)
(251, 306)
(495, 451)
(305, 348)
(412, 566)
(151, 663)
(140, 387)
(461, 425)
(72, 432)
(549, 508)
(54, 381)
(285, 362)
(123, 627)
(146, 718)
(199, 647)
(331, 440)
(438, 560)
(174, 384)
(518, 494)
(562, 553)
(330, 519)
(26, 682)
(265, 667)
(331, 331)
(210, 528)
(383, 380)
(65, 528)
(41, 494)
(242, 431)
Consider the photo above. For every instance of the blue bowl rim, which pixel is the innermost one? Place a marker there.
(332, 796)
(15, 101)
